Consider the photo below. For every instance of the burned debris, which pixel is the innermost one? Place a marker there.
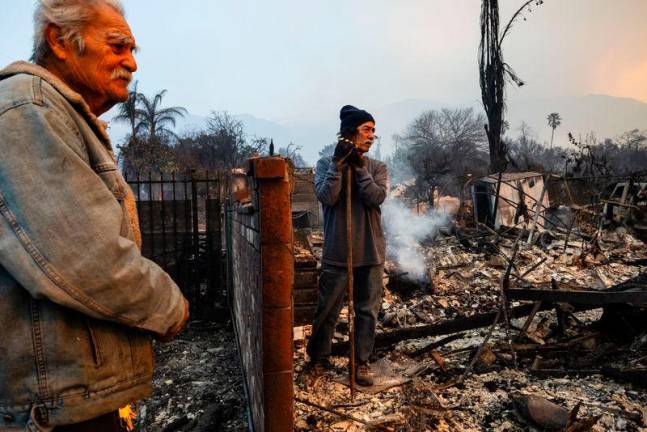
(198, 383)
(529, 313)
(526, 317)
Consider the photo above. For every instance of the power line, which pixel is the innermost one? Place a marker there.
(5, 56)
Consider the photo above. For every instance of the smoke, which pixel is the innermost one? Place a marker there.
(405, 230)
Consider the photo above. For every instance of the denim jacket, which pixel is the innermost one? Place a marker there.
(78, 302)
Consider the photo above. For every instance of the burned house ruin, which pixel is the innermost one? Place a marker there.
(531, 301)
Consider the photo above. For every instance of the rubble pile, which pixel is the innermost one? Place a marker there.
(430, 399)
(485, 401)
(466, 273)
(558, 365)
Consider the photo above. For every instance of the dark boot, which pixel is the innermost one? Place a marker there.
(318, 367)
(363, 375)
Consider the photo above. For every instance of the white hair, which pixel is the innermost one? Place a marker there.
(70, 16)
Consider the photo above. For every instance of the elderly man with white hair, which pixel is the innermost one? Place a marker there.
(78, 302)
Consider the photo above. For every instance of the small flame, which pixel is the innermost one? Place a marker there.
(127, 415)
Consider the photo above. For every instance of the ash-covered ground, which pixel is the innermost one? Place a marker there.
(488, 400)
(197, 385)
(517, 377)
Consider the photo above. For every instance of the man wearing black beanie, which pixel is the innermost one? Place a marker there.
(369, 189)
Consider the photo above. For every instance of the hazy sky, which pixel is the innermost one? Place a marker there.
(287, 60)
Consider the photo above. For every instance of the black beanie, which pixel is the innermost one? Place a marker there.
(352, 117)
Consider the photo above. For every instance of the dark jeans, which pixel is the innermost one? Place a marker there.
(367, 297)
(106, 423)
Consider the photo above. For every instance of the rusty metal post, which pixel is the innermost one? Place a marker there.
(277, 268)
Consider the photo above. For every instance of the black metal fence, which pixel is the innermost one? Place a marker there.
(180, 221)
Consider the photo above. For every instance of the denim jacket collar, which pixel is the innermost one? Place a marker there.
(74, 98)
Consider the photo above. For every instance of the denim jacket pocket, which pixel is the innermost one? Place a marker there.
(94, 343)
(115, 347)
(111, 347)
(141, 351)
(111, 177)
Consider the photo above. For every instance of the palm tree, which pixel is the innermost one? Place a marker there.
(554, 120)
(155, 119)
(143, 150)
(128, 111)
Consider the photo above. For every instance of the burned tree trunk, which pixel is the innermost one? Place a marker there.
(492, 82)
(492, 74)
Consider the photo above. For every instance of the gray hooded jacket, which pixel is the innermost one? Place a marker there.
(77, 299)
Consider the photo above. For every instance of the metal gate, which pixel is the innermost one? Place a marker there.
(180, 221)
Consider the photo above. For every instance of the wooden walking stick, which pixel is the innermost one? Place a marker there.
(349, 270)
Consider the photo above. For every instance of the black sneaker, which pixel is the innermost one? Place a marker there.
(363, 375)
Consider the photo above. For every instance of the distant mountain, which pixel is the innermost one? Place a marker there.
(193, 123)
(607, 116)
(255, 126)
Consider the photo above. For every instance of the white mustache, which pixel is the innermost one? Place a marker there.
(122, 73)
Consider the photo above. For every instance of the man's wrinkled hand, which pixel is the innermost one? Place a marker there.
(176, 329)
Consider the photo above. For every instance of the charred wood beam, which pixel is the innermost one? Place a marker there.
(535, 308)
(636, 282)
(637, 297)
(437, 344)
(534, 349)
(533, 267)
(442, 328)
(636, 376)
